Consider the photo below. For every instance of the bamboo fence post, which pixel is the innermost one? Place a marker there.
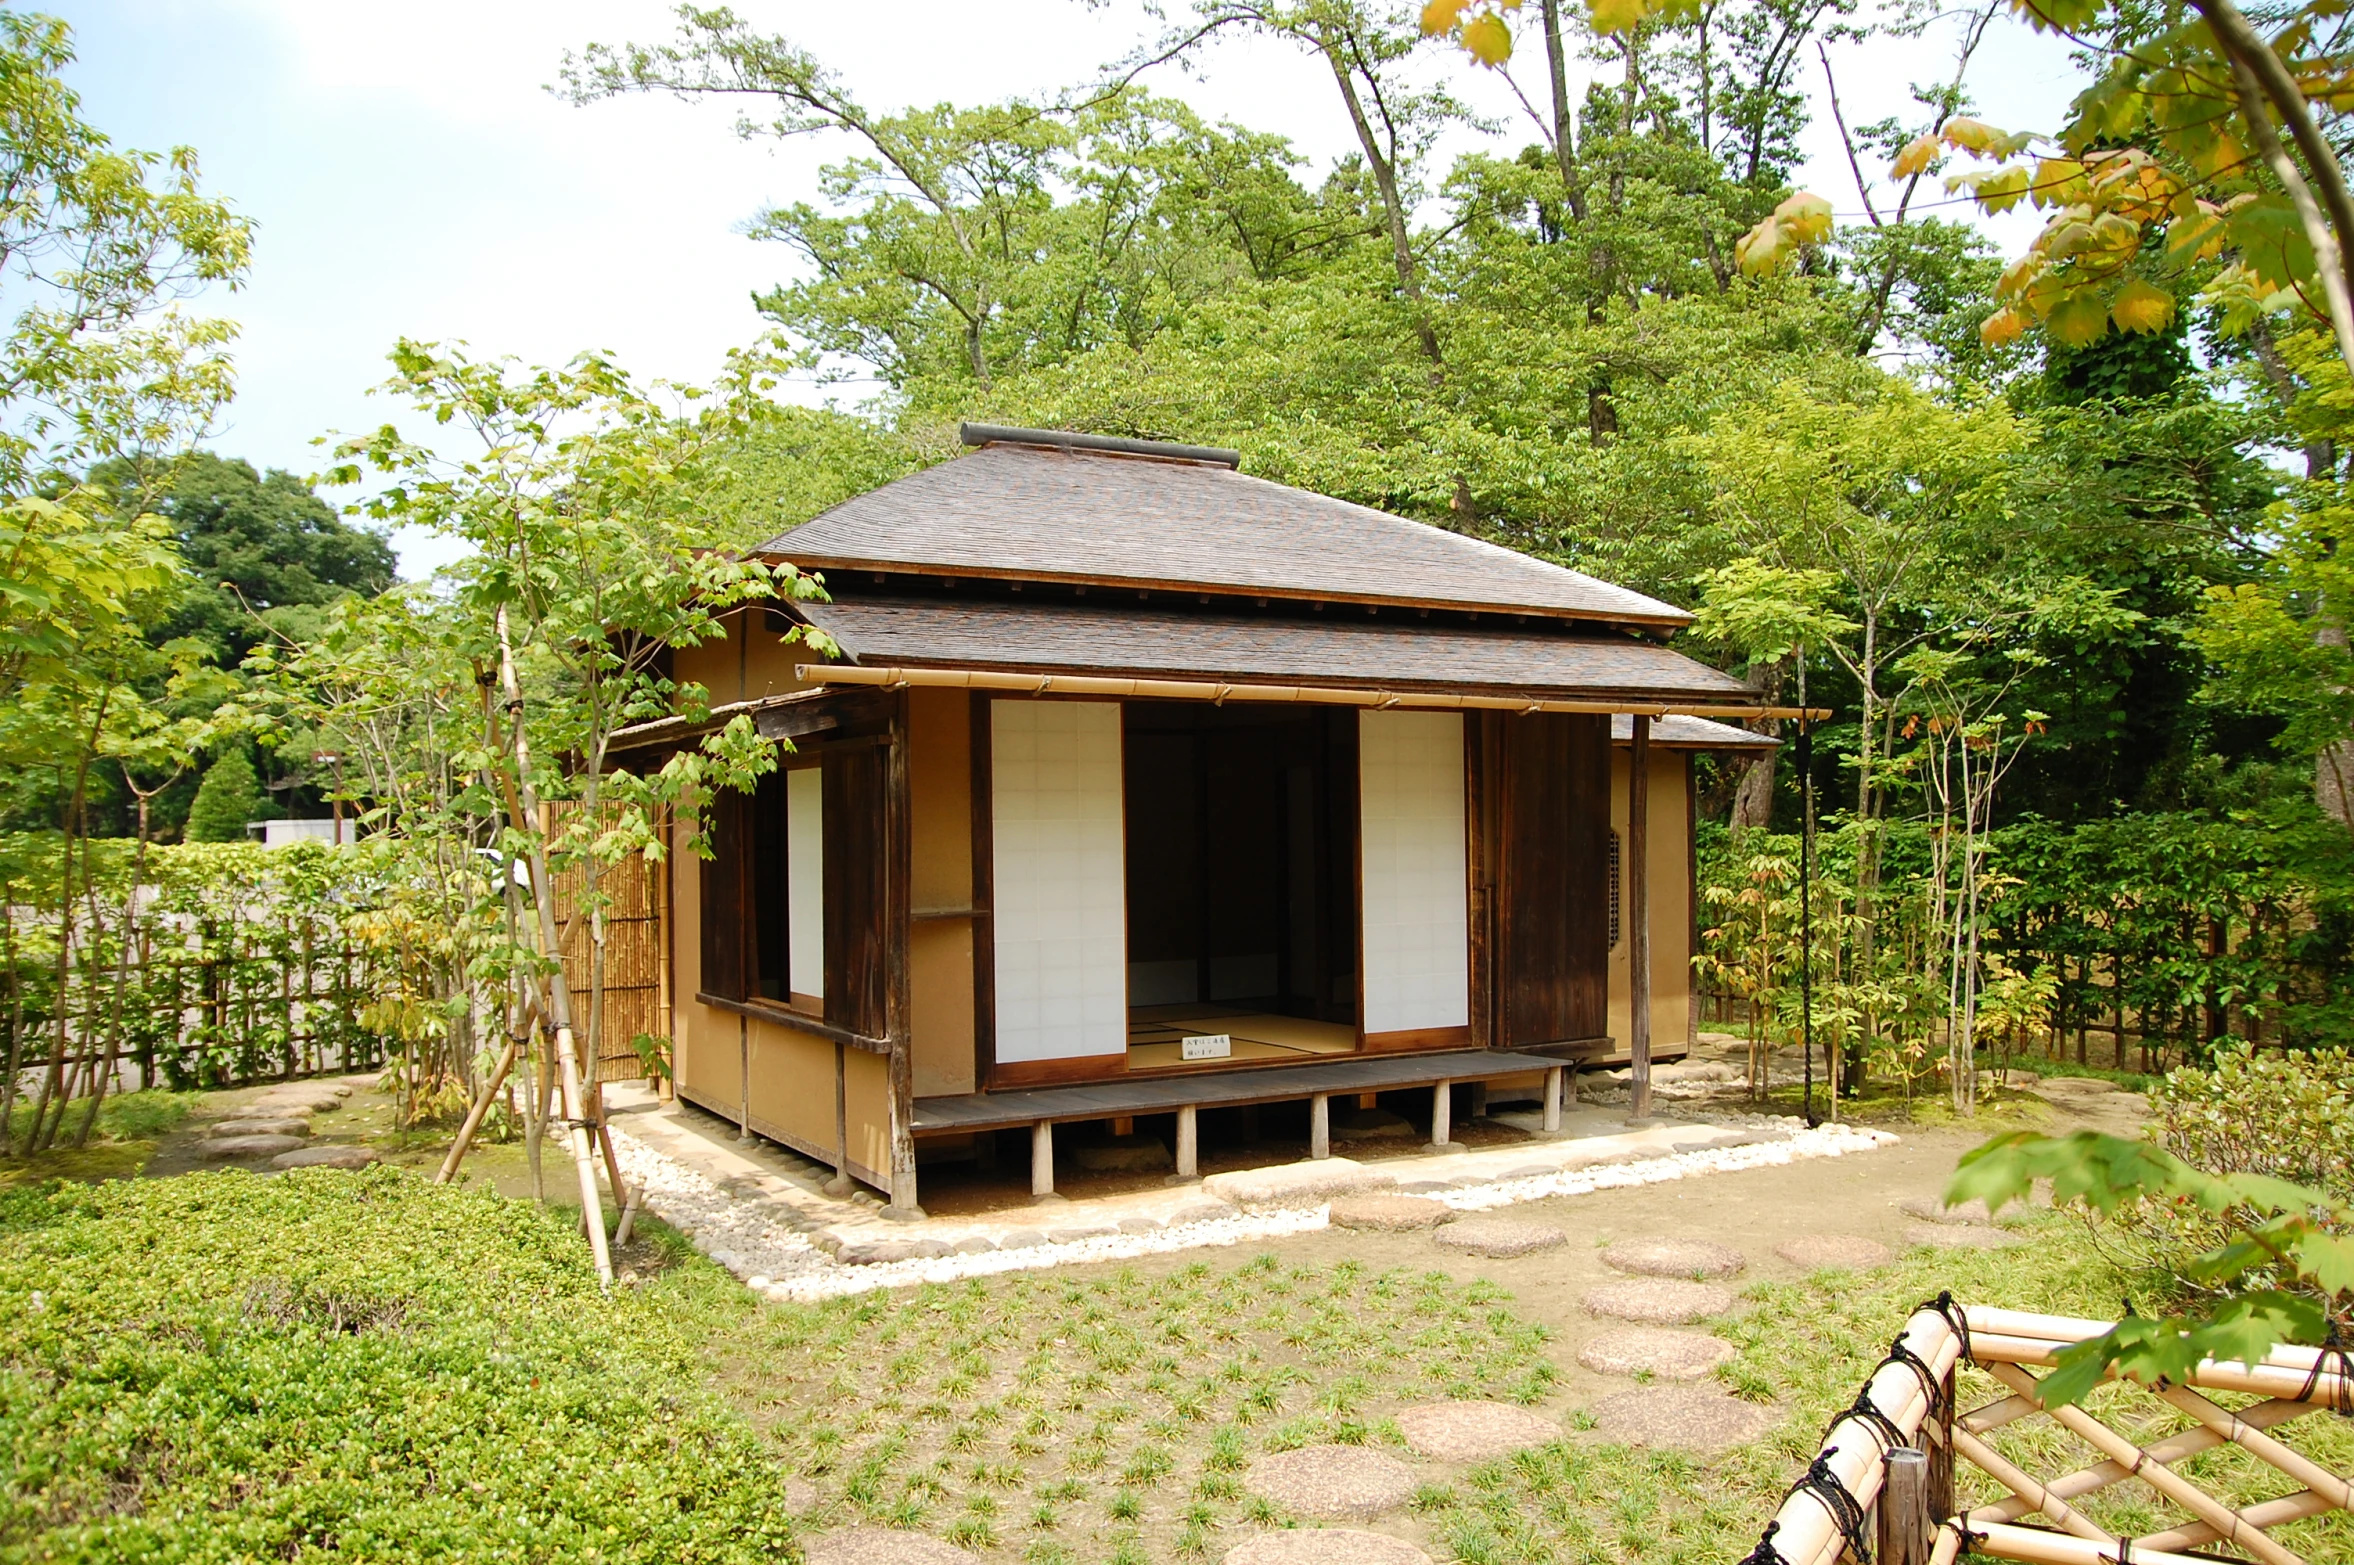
(1905, 1520)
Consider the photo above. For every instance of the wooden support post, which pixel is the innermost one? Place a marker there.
(744, 1064)
(1042, 1160)
(1320, 1125)
(1905, 1522)
(840, 1185)
(1479, 1100)
(1189, 1142)
(1123, 1124)
(1442, 1113)
(1637, 872)
(1553, 1100)
(898, 982)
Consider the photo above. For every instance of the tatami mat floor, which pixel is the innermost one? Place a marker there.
(1156, 1034)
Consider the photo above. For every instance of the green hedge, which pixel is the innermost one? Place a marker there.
(364, 1366)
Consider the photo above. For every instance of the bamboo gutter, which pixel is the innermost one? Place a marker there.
(1321, 695)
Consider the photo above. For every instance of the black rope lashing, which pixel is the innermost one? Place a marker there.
(1846, 1512)
(1765, 1553)
(1867, 1412)
(2333, 1347)
(1955, 1316)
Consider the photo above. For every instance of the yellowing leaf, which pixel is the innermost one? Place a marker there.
(2112, 232)
(1918, 154)
(1440, 16)
(1805, 217)
(1488, 40)
(2002, 189)
(1972, 135)
(1760, 252)
(2017, 275)
(2079, 321)
(2142, 307)
(1616, 16)
(2004, 325)
(2058, 181)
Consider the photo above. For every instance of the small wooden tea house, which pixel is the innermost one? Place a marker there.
(1143, 787)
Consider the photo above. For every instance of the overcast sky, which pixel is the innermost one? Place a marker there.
(409, 174)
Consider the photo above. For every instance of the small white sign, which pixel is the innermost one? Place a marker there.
(1207, 1046)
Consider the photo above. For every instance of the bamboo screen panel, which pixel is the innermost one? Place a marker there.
(637, 930)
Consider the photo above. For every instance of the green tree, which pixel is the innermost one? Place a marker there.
(229, 798)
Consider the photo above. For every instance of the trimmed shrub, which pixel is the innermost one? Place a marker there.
(229, 797)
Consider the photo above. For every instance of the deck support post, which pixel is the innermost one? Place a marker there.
(1906, 1526)
(1189, 1142)
(1320, 1125)
(1553, 1100)
(1042, 1160)
(1638, 919)
(840, 1185)
(1442, 1113)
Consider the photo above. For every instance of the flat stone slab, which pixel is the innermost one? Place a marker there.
(1324, 1546)
(1311, 1183)
(1834, 1252)
(1959, 1236)
(325, 1157)
(222, 1148)
(1681, 1418)
(1126, 1155)
(1474, 1431)
(884, 1546)
(1669, 1257)
(2090, 1086)
(1500, 1238)
(261, 1127)
(1659, 1301)
(1931, 1210)
(1336, 1483)
(1367, 1124)
(1656, 1351)
(1385, 1213)
(318, 1100)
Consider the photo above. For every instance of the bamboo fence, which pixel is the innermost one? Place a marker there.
(1883, 1483)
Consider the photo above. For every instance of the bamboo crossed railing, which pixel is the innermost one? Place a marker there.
(1882, 1486)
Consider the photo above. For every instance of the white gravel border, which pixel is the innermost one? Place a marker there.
(778, 1260)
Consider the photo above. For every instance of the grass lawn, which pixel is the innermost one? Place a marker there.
(130, 1125)
(224, 1367)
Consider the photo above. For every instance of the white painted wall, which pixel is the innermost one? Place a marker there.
(1417, 916)
(805, 881)
(1059, 869)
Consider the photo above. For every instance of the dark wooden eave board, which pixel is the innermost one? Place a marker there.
(799, 714)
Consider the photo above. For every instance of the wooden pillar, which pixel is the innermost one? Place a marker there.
(1442, 1113)
(1042, 1160)
(1905, 1523)
(1553, 1101)
(1637, 871)
(898, 938)
(840, 1185)
(744, 1061)
(1189, 1142)
(1320, 1125)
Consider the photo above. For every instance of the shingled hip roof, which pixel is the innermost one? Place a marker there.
(1035, 513)
(1538, 662)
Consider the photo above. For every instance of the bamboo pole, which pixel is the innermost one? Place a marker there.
(2034, 1546)
(481, 1106)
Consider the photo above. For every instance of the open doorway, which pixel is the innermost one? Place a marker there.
(1242, 866)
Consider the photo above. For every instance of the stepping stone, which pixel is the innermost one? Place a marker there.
(1335, 1483)
(1310, 1183)
(1126, 1155)
(295, 1103)
(1325, 1546)
(1833, 1252)
(1388, 1213)
(1681, 1418)
(325, 1157)
(884, 1546)
(1367, 1124)
(1474, 1431)
(1668, 1355)
(1930, 1209)
(221, 1148)
(1693, 1258)
(1659, 1301)
(1956, 1236)
(261, 1127)
(1500, 1238)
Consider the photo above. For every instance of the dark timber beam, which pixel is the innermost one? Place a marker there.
(1638, 898)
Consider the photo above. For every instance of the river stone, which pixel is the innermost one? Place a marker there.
(1474, 1431)
(1126, 1155)
(1325, 1546)
(1659, 1301)
(325, 1157)
(1336, 1483)
(1932, 1210)
(1388, 1213)
(1833, 1252)
(261, 1127)
(1681, 1418)
(884, 1546)
(1957, 1236)
(1500, 1238)
(1654, 1350)
(223, 1147)
(1692, 1258)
